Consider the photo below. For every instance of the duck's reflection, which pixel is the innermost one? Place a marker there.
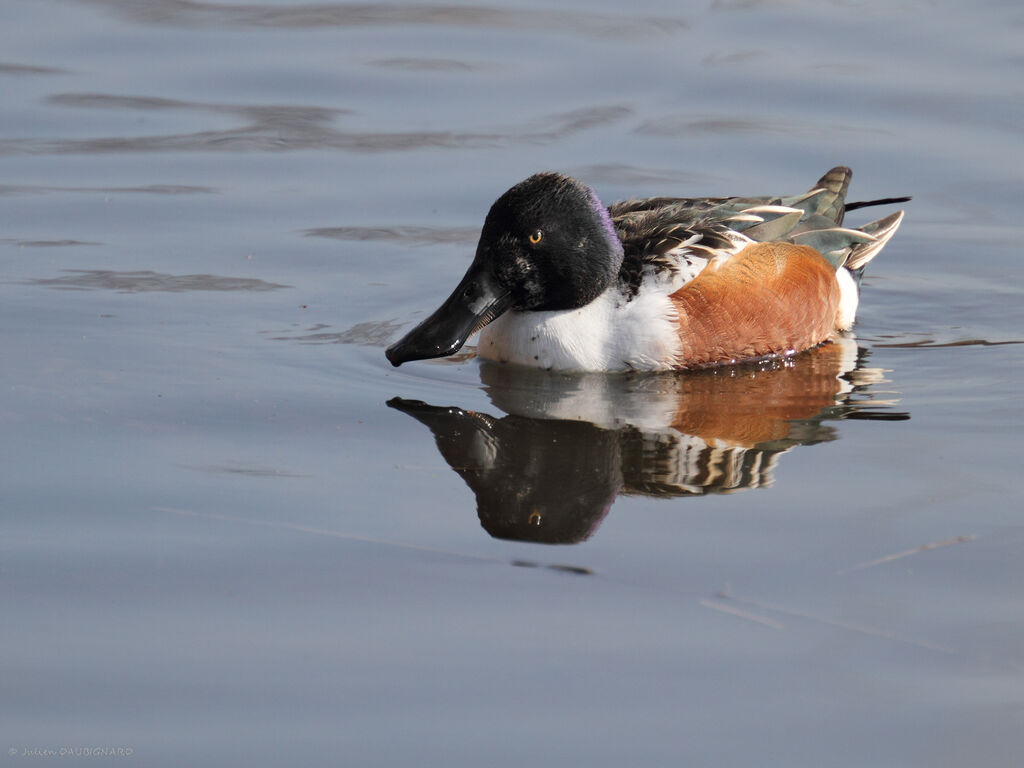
(550, 470)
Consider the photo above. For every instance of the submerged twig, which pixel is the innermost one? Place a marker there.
(298, 528)
(861, 628)
(742, 614)
(326, 532)
(906, 553)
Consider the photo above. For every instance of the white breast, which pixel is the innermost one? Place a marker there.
(609, 334)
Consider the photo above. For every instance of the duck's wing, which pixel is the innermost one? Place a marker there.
(669, 241)
(657, 224)
(672, 240)
(675, 238)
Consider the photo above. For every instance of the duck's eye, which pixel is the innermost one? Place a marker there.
(535, 237)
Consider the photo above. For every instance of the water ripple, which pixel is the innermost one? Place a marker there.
(406, 235)
(931, 344)
(681, 125)
(149, 189)
(49, 243)
(277, 128)
(368, 334)
(192, 13)
(147, 281)
(10, 68)
(407, 64)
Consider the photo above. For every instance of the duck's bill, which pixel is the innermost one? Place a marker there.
(475, 302)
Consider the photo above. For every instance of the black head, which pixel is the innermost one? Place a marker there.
(547, 244)
(549, 241)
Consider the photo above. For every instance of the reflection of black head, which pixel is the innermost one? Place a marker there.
(536, 480)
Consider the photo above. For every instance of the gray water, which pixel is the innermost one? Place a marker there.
(232, 534)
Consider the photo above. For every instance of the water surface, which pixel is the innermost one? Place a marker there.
(232, 534)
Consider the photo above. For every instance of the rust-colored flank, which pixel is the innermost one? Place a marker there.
(770, 298)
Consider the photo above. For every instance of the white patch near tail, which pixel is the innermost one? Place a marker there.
(849, 297)
(880, 232)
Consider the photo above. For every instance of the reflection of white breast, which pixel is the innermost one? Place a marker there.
(609, 401)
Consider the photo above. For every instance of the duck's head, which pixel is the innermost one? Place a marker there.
(547, 244)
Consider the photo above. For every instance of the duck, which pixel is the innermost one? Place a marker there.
(562, 282)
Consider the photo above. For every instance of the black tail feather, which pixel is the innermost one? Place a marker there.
(882, 201)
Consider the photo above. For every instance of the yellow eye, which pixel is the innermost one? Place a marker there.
(536, 236)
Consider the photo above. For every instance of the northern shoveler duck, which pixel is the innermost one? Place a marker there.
(562, 282)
